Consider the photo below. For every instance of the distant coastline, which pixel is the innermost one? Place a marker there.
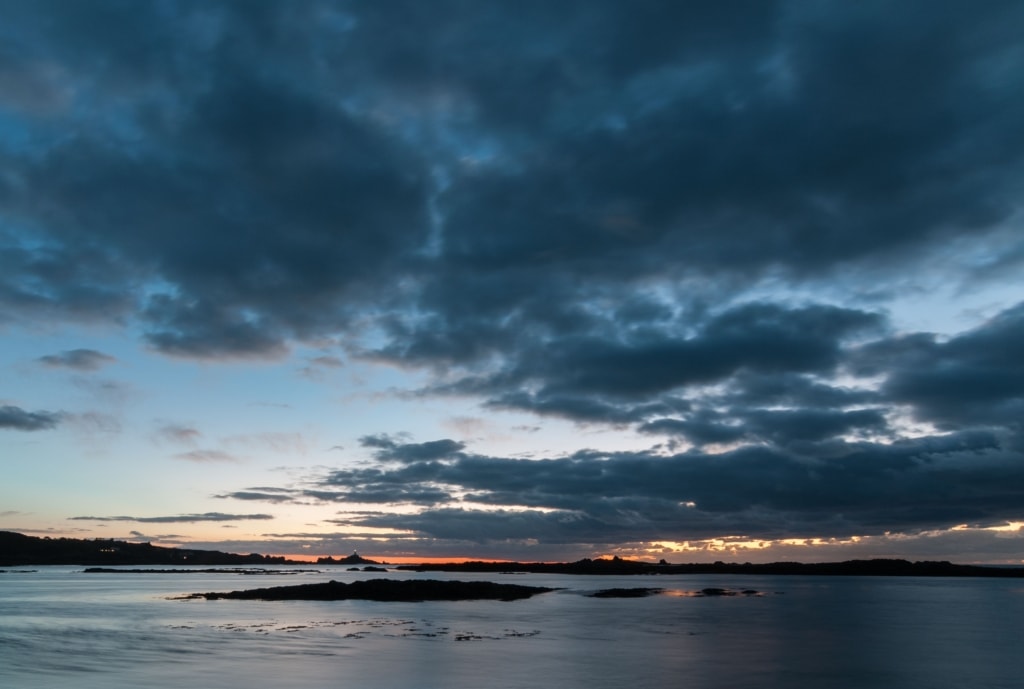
(20, 550)
(616, 566)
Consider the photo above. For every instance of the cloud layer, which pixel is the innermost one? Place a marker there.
(686, 222)
(18, 419)
(180, 519)
(331, 168)
(77, 359)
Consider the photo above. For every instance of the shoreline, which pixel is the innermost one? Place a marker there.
(19, 550)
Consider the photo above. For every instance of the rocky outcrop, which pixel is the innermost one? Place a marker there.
(386, 590)
(353, 559)
(625, 593)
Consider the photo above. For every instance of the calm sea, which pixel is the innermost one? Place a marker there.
(62, 628)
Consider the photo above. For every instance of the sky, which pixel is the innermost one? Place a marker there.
(695, 281)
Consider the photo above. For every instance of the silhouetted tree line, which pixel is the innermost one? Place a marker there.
(18, 549)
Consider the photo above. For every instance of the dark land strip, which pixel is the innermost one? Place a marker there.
(617, 566)
(212, 570)
(19, 550)
(385, 590)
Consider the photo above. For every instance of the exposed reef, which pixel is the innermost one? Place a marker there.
(714, 591)
(625, 593)
(385, 590)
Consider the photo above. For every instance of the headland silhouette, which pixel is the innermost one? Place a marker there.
(19, 550)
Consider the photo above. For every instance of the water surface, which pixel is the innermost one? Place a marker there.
(60, 627)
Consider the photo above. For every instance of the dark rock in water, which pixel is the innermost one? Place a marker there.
(711, 591)
(386, 590)
(375, 569)
(625, 593)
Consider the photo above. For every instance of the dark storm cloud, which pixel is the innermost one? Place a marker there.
(757, 337)
(826, 141)
(18, 419)
(973, 379)
(78, 359)
(181, 518)
(265, 495)
(796, 390)
(628, 376)
(701, 428)
(236, 177)
(385, 492)
(477, 526)
(258, 202)
(781, 427)
(835, 150)
(583, 408)
(60, 282)
(839, 489)
(389, 448)
(777, 408)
